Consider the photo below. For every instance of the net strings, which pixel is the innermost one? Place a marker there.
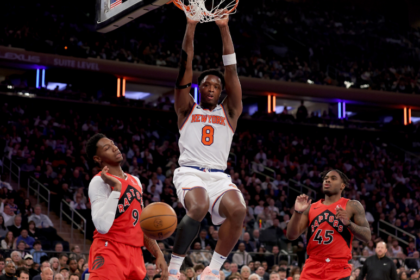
(197, 10)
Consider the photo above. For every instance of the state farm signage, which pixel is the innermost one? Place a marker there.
(20, 57)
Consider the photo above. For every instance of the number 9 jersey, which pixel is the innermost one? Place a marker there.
(206, 138)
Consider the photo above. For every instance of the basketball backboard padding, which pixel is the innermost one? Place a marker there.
(108, 19)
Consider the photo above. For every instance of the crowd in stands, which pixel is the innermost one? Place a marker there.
(50, 148)
(298, 42)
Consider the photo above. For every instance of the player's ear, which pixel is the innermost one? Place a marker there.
(97, 159)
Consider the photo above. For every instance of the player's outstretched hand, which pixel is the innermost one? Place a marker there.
(163, 267)
(302, 203)
(113, 182)
(342, 215)
(224, 20)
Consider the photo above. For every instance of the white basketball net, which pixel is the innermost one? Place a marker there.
(197, 10)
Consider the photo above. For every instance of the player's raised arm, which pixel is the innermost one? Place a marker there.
(183, 99)
(299, 221)
(233, 101)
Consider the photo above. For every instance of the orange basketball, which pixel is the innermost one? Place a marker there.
(158, 220)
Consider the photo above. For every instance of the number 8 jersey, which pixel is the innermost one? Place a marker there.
(327, 236)
(206, 137)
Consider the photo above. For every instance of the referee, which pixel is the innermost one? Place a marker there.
(379, 266)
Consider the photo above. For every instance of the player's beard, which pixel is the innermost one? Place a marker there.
(327, 192)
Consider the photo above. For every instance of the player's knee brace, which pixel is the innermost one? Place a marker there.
(187, 231)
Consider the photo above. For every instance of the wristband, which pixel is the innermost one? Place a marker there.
(229, 59)
(299, 212)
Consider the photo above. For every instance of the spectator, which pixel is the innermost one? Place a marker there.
(261, 273)
(190, 273)
(226, 269)
(73, 268)
(9, 242)
(55, 265)
(233, 268)
(21, 248)
(202, 239)
(75, 277)
(58, 248)
(59, 276)
(16, 227)
(29, 261)
(44, 265)
(151, 270)
(283, 273)
(16, 257)
(47, 274)
(274, 276)
(78, 204)
(22, 273)
(80, 263)
(37, 251)
(41, 220)
(241, 257)
(65, 272)
(245, 272)
(396, 248)
(414, 263)
(63, 259)
(256, 239)
(379, 266)
(198, 269)
(254, 276)
(8, 216)
(29, 241)
(32, 230)
(198, 256)
(27, 210)
(3, 228)
(302, 112)
(9, 271)
(75, 252)
(249, 245)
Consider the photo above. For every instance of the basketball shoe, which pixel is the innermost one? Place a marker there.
(209, 274)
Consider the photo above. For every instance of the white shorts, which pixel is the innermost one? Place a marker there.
(215, 183)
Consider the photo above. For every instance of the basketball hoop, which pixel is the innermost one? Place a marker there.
(197, 10)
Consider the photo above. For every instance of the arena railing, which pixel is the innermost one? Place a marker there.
(10, 168)
(266, 169)
(69, 213)
(395, 235)
(310, 192)
(409, 156)
(37, 192)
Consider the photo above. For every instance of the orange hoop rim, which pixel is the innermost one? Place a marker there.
(181, 6)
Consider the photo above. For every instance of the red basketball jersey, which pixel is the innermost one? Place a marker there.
(327, 236)
(126, 227)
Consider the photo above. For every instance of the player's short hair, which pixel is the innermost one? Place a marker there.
(91, 145)
(213, 72)
(343, 176)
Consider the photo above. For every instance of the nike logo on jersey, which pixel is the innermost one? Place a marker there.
(208, 119)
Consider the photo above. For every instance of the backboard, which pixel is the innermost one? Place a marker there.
(111, 14)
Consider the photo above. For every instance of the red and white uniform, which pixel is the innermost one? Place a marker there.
(116, 251)
(206, 138)
(329, 243)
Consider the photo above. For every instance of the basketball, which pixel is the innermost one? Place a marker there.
(158, 220)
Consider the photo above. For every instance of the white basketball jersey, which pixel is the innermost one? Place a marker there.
(206, 137)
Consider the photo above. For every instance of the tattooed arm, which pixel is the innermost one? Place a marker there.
(153, 248)
(360, 227)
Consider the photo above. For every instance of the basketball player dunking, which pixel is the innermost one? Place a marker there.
(116, 197)
(332, 223)
(206, 135)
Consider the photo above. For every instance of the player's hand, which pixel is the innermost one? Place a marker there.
(191, 21)
(113, 182)
(162, 266)
(302, 203)
(224, 20)
(342, 215)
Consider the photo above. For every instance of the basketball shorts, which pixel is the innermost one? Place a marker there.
(110, 260)
(215, 183)
(326, 269)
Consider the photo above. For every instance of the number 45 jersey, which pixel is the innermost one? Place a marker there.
(327, 236)
(206, 137)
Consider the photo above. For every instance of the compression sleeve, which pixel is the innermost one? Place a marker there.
(104, 204)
